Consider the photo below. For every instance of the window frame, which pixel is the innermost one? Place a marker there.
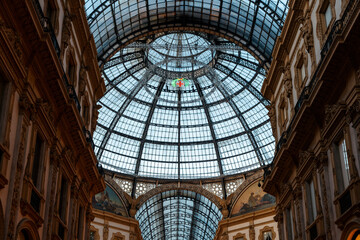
(324, 29)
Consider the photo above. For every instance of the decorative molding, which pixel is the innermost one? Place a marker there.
(95, 231)
(82, 79)
(267, 229)
(117, 236)
(29, 227)
(240, 235)
(66, 32)
(224, 236)
(15, 201)
(94, 117)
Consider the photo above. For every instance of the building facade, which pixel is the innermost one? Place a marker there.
(49, 85)
(313, 85)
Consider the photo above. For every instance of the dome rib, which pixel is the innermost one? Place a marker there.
(119, 113)
(208, 128)
(147, 124)
(238, 113)
(211, 125)
(247, 85)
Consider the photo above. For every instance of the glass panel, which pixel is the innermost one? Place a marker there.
(178, 214)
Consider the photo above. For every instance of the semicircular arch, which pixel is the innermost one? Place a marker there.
(29, 227)
(242, 188)
(185, 186)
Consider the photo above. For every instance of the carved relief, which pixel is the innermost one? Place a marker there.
(66, 32)
(132, 236)
(287, 80)
(224, 236)
(282, 112)
(304, 156)
(95, 114)
(272, 116)
(13, 38)
(307, 32)
(240, 235)
(330, 111)
(117, 236)
(288, 86)
(82, 80)
(301, 70)
(46, 106)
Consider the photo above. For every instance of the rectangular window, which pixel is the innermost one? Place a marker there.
(328, 15)
(80, 222)
(37, 162)
(311, 202)
(341, 165)
(289, 223)
(63, 200)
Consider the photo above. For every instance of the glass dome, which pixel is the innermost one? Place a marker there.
(178, 106)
